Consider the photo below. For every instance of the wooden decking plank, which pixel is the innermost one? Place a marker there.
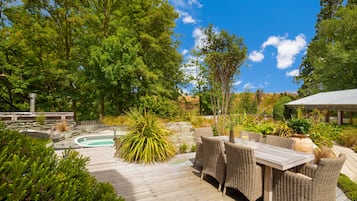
(160, 182)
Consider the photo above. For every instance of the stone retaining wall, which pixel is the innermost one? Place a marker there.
(182, 133)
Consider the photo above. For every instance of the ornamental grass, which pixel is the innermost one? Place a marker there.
(147, 140)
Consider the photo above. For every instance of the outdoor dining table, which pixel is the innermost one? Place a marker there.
(279, 158)
(274, 157)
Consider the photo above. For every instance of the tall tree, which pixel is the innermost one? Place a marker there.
(223, 55)
(87, 56)
(332, 55)
(311, 85)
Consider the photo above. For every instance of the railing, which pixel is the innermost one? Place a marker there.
(31, 116)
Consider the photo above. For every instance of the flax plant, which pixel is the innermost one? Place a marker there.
(147, 141)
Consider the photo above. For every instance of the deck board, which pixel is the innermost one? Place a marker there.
(174, 180)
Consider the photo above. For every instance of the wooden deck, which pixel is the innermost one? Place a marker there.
(349, 167)
(175, 180)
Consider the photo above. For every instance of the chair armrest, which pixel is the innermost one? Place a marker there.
(284, 182)
(308, 170)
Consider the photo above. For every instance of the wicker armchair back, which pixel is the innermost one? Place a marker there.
(311, 183)
(280, 141)
(203, 131)
(243, 173)
(214, 159)
(256, 136)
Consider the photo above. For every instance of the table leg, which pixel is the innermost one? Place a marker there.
(268, 183)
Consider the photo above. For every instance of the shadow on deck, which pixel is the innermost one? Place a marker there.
(174, 180)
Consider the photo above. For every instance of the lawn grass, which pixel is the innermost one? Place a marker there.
(347, 186)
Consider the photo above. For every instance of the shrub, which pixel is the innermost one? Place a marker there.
(347, 186)
(200, 121)
(281, 129)
(40, 118)
(162, 107)
(323, 134)
(193, 148)
(279, 111)
(300, 126)
(183, 148)
(113, 121)
(30, 171)
(62, 126)
(146, 140)
(348, 137)
(263, 128)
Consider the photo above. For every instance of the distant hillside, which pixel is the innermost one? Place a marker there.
(191, 103)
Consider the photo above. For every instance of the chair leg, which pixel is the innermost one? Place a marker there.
(224, 191)
(219, 187)
(201, 175)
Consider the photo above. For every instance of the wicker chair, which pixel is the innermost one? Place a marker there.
(280, 141)
(243, 173)
(313, 182)
(204, 131)
(214, 159)
(256, 136)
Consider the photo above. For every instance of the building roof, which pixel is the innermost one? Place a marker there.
(344, 100)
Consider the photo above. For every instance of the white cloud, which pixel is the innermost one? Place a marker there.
(186, 3)
(198, 35)
(186, 17)
(188, 20)
(287, 49)
(191, 68)
(248, 86)
(272, 40)
(237, 83)
(179, 3)
(293, 73)
(195, 2)
(184, 52)
(256, 56)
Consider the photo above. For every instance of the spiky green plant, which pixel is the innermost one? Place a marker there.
(147, 140)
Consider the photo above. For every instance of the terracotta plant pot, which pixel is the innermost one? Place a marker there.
(303, 143)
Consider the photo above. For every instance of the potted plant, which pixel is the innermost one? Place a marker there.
(301, 128)
(232, 121)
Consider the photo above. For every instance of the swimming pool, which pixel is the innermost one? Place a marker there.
(95, 140)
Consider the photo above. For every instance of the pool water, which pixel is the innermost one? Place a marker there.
(95, 141)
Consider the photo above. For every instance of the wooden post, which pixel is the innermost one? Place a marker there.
(339, 117)
(327, 116)
(32, 101)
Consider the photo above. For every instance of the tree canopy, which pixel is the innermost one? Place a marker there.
(223, 56)
(331, 59)
(89, 57)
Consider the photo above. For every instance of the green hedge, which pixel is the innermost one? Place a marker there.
(31, 171)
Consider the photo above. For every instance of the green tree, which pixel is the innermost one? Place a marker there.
(223, 56)
(132, 54)
(331, 57)
(40, 52)
(89, 57)
(247, 103)
(279, 110)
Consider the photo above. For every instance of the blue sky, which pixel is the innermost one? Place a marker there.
(276, 34)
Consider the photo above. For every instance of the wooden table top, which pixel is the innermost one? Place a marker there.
(280, 158)
(274, 156)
